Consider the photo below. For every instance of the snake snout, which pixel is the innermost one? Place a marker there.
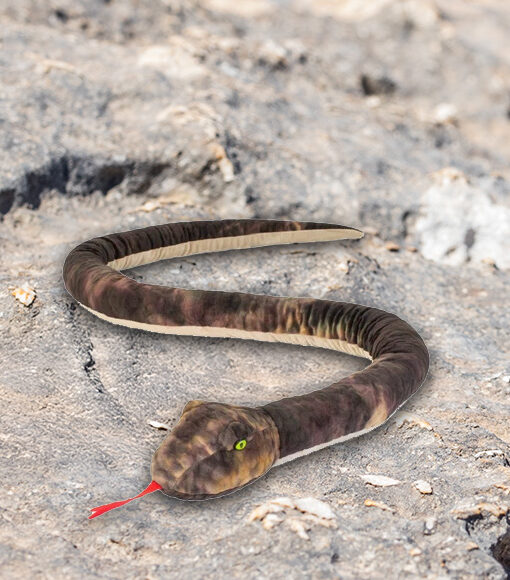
(215, 449)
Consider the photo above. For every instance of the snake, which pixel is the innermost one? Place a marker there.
(216, 448)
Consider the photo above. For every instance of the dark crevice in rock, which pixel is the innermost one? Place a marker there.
(79, 176)
(377, 85)
(231, 149)
(6, 199)
(471, 521)
(501, 551)
(250, 195)
(89, 366)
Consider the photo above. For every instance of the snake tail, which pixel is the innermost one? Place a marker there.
(217, 448)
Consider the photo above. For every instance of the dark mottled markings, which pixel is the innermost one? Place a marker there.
(360, 401)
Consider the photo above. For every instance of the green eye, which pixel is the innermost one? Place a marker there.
(240, 445)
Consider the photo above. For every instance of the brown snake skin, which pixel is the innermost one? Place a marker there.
(215, 448)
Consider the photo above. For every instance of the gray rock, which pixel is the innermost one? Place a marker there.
(122, 114)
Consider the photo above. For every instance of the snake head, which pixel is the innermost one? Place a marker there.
(215, 449)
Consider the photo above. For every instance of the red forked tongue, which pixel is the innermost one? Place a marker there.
(97, 511)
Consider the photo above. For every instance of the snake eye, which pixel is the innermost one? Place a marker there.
(240, 445)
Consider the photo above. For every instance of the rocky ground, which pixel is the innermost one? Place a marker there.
(391, 116)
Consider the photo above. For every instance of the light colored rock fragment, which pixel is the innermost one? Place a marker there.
(445, 113)
(423, 486)
(497, 510)
(284, 501)
(299, 526)
(490, 453)
(24, 294)
(380, 480)
(159, 425)
(316, 507)
(261, 511)
(378, 504)
(403, 418)
(462, 221)
(271, 520)
(225, 165)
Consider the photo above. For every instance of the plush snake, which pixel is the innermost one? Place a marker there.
(216, 448)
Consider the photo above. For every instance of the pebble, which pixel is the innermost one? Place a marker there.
(158, 425)
(429, 527)
(445, 113)
(380, 480)
(379, 504)
(423, 486)
(316, 507)
(24, 294)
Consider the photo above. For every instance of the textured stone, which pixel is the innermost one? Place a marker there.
(122, 114)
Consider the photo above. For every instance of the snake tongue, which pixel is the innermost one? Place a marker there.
(97, 511)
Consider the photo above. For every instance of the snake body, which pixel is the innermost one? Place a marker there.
(216, 448)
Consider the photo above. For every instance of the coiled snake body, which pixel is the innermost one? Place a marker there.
(215, 448)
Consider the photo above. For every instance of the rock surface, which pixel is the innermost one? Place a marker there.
(388, 116)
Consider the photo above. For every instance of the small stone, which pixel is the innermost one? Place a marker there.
(380, 480)
(429, 527)
(423, 486)
(24, 294)
(158, 425)
(415, 552)
(379, 504)
(413, 420)
(445, 113)
(472, 546)
(316, 507)
(225, 165)
(392, 247)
